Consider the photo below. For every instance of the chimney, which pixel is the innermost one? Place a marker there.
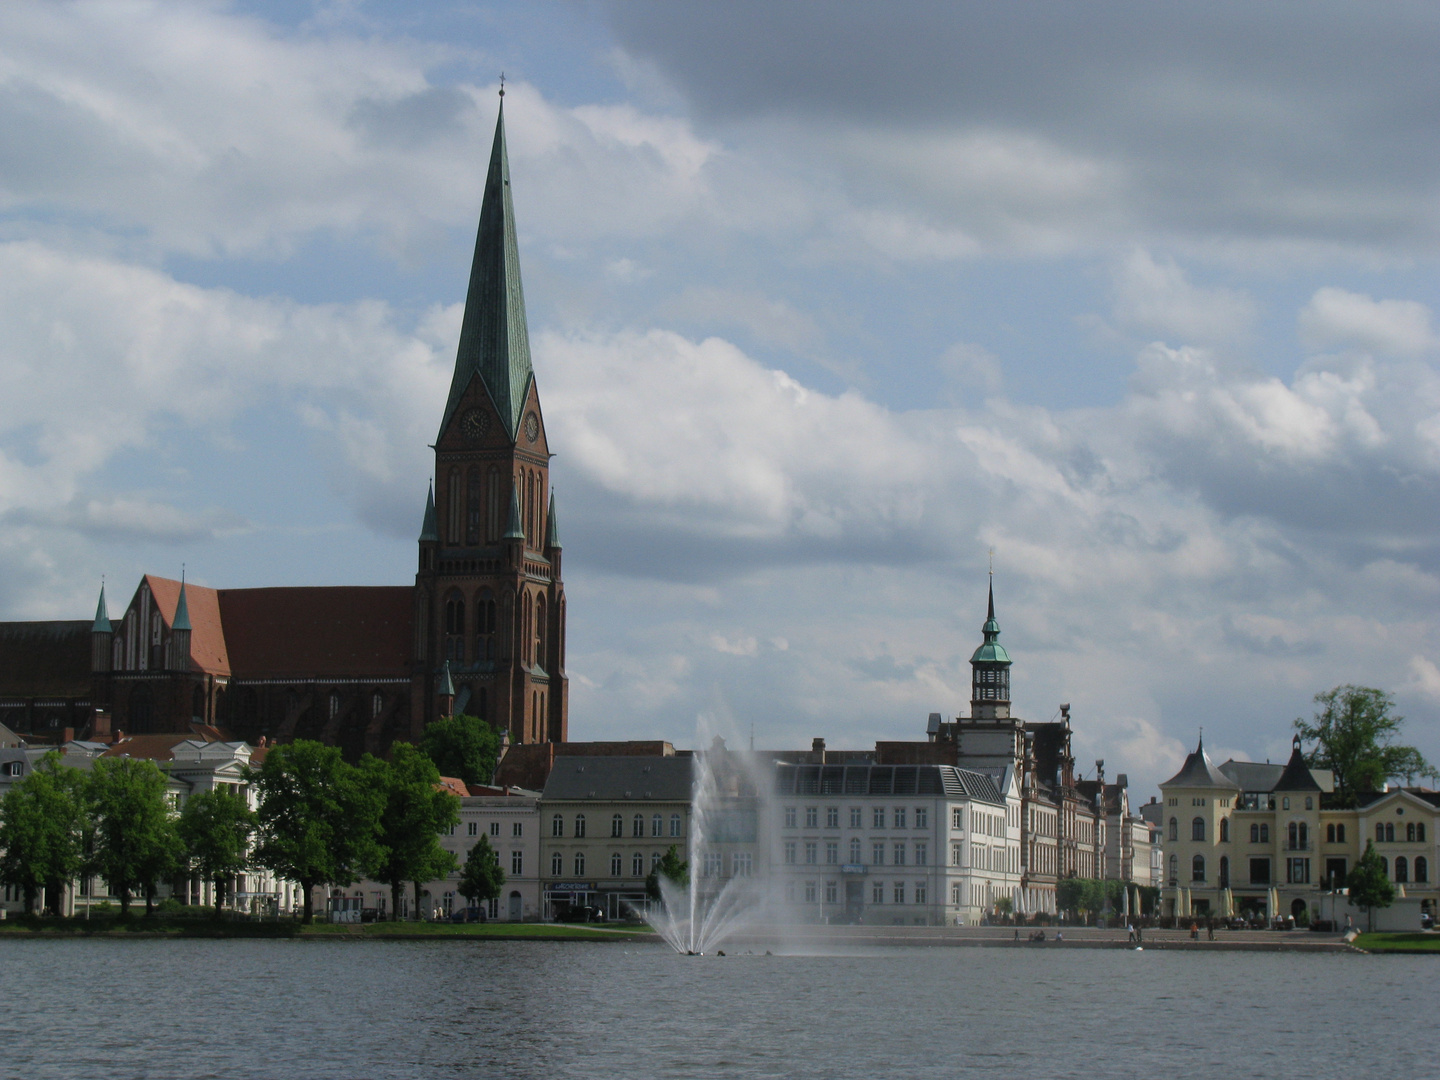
(1065, 714)
(817, 749)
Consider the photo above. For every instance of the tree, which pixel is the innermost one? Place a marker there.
(215, 827)
(42, 823)
(1352, 730)
(463, 746)
(482, 877)
(671, 867)
(414, 811)
(136, 843)
(318, 818)
(1369, 887)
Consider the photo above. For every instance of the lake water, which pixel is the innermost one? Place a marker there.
(196, 1009)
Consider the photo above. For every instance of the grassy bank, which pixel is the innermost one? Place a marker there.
(1399, 943)
(190, 927)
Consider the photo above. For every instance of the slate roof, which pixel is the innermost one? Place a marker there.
(1296, 776)
(45, 659)
(1252, 775)
(636, 779)
(1200, 772)
(494, 341)
(946, 780)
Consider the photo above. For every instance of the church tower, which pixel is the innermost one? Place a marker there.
(990, 672)
(489, 600)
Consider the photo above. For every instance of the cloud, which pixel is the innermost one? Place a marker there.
(1158, 299)
(1336, 319)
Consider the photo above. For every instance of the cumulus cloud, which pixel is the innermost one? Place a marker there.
(1157, 298)
(1337, 319)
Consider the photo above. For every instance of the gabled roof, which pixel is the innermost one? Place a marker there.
(208, 652)
(494, 341)
(1200, 772)
(634, 779)
(149, 747)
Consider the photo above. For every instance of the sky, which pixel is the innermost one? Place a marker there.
(830, 305)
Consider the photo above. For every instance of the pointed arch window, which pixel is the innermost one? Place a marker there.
(453, 507)
(540, 631)
(473, 506)
(485, 612)
(492, 506)
(454, 626)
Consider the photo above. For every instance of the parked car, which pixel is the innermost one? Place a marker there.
(470, 914)
(580, 913)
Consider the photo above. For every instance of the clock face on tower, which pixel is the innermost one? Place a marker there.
(474, 424)
(532, 426)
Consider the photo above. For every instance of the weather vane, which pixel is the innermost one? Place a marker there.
(502, 84)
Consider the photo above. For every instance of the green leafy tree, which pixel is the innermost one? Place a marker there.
(414, 812)
(671, 867)
(1352, 732)
(465, 747)
(42, 824)
(318, 820)
(215, 827)
(136, 845)
(482, 877)
(1368, 885)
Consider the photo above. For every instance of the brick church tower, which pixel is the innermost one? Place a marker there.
(489, 600)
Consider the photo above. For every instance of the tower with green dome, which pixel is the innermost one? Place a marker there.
(990, 671)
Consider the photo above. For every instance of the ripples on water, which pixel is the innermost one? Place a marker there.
(236, 1009)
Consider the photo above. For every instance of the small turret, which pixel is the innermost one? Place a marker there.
(552, 537)
(990, 671)
(429, 532)
(102, 634)
(446, 692)
(180, 634)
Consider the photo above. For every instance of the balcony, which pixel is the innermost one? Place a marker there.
(1299, 847)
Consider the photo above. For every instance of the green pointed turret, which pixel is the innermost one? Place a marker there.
(552, 530)
(991, 651)
(513, 531)
(102, 616)
(447, 684)
(494, 342)
(182, 612)
(430, 528)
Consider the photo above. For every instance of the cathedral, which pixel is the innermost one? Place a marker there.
(480, 632)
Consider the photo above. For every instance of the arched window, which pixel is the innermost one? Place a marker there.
(485, 625)
(197, 709)
(1197, 829)
(1224, 871)
(657, 826)
(1402, 869)
(1224, 830)
(637, 865)
(1264, 832)
(1410, 831)
(617, 826)
(1293, 835)
(616, 864)
(1340, 833)
(1174, 829)
(1330, 834)
(377, 703)
(1422, 869)
(675, 825)
(557, 825)
(334, 709)
(454, 509)
(638, 825)
(557, 864)
(1197, 868)
(1174, 869)
(1254, 833)
(454, 626)
(474, 502)
(525, 624)
(1419, 833)
(579, 825)
(1384, 866)
(1390, 831)
(1379, 833)
(482, 709)
(492, 506)
(579, 864)
(540, 631)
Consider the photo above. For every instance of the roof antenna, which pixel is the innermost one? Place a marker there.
(502, 84)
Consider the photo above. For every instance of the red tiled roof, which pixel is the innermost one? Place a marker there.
(207, 636)
(454, 785)
(339, 630)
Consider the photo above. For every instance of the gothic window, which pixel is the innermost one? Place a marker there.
(454, 627)
(334, 706)
(473, 507)
(453, 507)
(540, 631)
(1197, 829)
(197, 703)
(485, 625)
(1402, 869)
(560, 633)
(377, 703)
(492, 506)
(118, 654)
(1197, 868)
(482, 709)
(525, 623)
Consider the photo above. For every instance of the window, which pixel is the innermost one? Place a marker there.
(557, 826)
(899, 817)
(832, 852)
(579, 826)
(832, 892)
(579, 863)
(920, 892)
(1297, 871)
(877, 854)
(657, 826)
(1285, 803)
(899, 854)
(1224, 830)
(899, 892)
(877, 817)
(1197, 868)
(1330, 834)
(616, 864)
(742, 863)
(494, 828)
(1264, 832)
(675, 829)
(957, 818)
(1224, 872)
(617, 826)
(877, 892)
(789, 817)
(472, 828)
(832, 817)
(955, 895)
(855, 850)
(1402, 869)
(1340, 833)
(1379, 833)
(1419, 834)
(922, 818)
(557, 864)
(517, 863)
(789, 852)
(956, 851)
(854, 817)
(1197, 829)
(811, 850)
(1174, 869)
(637, 865)
(1422, 869)
(812, 817)
(922, 854)
(1410, 831)
(517, 829)
(637, 827)
(1309, 803)
(1174, 829)
(714, 865)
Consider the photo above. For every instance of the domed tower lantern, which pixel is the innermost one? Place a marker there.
(990, 671)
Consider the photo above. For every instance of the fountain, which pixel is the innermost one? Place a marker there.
(692, 919)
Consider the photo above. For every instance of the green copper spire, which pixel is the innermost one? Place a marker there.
(447, 685)
(494, 343)
(552, 530)
(102, 616)
(514, 531)
(430, 529)
(991, 651)
(182, 612)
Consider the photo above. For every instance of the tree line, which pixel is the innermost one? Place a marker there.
(320, 821)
